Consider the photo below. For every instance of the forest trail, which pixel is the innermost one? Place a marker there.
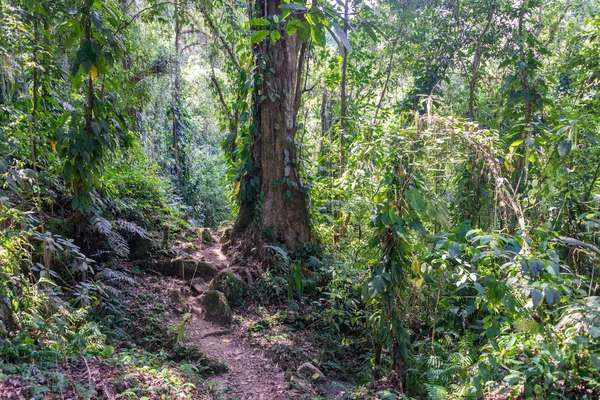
(250, 375)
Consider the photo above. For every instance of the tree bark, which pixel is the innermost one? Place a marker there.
(477, 63)
(521, 167)
(343, 97)
(7, 320)
(280, 204)
(176, 96)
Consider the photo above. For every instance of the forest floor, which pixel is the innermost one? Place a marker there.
(255, 366)
(250, 374)
(269, 352)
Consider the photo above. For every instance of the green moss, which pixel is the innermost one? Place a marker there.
(216, 308)
(231, 285)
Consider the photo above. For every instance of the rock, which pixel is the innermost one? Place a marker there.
(176, 296)
(139, 247)
(198, 285)
(226, 234)
(206, 235)
(198, 281)
(231, 285)
(188, 267)
(216, 309)
(310, 371)
(205, 271)
(189, 247)
(297, 384)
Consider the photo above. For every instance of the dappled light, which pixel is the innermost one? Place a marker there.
(299, 199)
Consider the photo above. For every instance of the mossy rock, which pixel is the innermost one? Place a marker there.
(226, 234)
(206, 235)
(140, 247)
(216, 308)
(191, 268)
(231, 285)
(189, 247)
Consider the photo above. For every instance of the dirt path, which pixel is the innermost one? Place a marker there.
(250, 376)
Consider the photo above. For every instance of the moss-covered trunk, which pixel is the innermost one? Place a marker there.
(280, 205)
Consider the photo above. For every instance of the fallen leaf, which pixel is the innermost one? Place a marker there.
(226, 340)
(316, 376)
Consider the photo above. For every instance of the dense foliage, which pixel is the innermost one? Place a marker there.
(446, 152)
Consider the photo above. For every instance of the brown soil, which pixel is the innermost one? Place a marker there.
(251, 375)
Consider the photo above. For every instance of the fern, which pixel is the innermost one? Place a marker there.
(116, 242)
(132, 228)
(110, 275)
(102, 225)
(436, 392)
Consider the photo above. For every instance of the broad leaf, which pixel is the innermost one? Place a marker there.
(260, 22)
(564, 147)
(414, 198)
(536, 297)
(259, 36)
(341, 35)
(293, 7)
(378, 283)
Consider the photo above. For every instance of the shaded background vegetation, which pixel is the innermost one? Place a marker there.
(449, 151)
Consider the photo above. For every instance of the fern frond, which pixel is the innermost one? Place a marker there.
(102, 225)
(118, 244)
(132, 228)
(110, 275)
(436, 392)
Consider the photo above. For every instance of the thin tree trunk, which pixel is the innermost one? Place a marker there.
(528, 105)
(325, 122)
(343, 97)
(477, 64)
(176, 96)
(390, 68)
(36, 90)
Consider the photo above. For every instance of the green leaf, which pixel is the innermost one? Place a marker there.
(564, 147)
(35, 6)
(339, 32)
(293, 7)
(504, 63)
(549, 295)
(275, 36)
(536, 297)
(260, 22)
(378, 283)
(107, 352)
(318, 34)
(414, 198)
(479, 288)
(259, 36)
(370, 32)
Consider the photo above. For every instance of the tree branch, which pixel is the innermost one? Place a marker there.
(120, 28)
(212, 26)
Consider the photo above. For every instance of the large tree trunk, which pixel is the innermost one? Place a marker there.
(281, 205)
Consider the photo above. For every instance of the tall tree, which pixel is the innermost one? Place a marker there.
(271, 194)
(343, 96)
(177, 94)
